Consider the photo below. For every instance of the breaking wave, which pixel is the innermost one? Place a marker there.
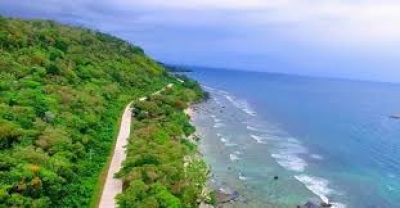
(319, 186)
(233, 157)
(241, 104)
(288, 155)
(218, 125)
(258, 139)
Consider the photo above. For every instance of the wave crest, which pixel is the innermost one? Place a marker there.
(290, 162)
(319, 186)
(241, 104)
(258, 139)
(233, 157)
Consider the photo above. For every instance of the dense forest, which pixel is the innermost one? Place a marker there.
(62, 91)
(163, 168)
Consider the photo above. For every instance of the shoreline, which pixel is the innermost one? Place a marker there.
(221, 196)
(230, 197)
(190, 112)
(160, 146)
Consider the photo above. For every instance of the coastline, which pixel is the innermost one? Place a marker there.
(205, 195)
(189, 111)
(231, 189)
(162, 124)
(225, 197)
(218, 196)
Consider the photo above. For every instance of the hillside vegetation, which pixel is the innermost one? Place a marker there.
(62, 90)
(163, 169)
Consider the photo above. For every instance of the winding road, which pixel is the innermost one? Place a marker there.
(112, 185)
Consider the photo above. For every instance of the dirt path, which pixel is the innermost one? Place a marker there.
(113, 186)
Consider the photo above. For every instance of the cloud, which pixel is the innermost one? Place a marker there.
(204, 4)
(334, 20)
(350, 21)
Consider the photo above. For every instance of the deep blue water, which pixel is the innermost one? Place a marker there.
(333, 137)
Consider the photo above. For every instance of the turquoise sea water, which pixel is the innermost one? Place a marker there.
(326, 138)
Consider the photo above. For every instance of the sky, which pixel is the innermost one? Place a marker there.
(358, 39)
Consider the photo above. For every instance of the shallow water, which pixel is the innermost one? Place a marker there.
(330, 139)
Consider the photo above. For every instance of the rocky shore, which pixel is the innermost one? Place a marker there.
(316, 203)
(220, 197)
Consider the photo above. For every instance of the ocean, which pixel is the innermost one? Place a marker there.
(280, 140)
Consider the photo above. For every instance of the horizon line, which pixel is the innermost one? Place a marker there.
(343, 78)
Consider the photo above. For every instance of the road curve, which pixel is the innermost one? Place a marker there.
(113, 186)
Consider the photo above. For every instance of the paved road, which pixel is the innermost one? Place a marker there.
(113, 186)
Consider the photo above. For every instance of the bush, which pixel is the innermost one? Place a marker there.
(157, 152)
(62, 90)
(53, 69)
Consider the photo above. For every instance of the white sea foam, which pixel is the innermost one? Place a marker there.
(316, 157)
(259, 129)
(238, 153)
(293, 140)
(208, 88)
(223, 140)
(241, 104)
(271, 135)
(319, 186)
(230, 98)
(227, 142)
(217, 120)
(245, 106)
(223, 92)
(273, 138)
(288, 155)
(214, 117)
(258, 139)
(233, 157)
(219, 125)
(241, 177)
(292, 147)
(290, 162)
(267, 128)
(251, 128)
(338, 205)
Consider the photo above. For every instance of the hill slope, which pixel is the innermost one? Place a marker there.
(62, 90)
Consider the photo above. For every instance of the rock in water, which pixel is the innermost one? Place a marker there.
(315, 203)
(224, 196)
(312, 203)
(325, 204)
(235, 195)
